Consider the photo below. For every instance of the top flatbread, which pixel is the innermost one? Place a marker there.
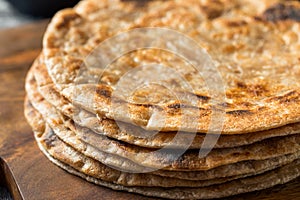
(255, 46)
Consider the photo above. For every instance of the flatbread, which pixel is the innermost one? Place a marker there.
(74, 162)
(189, 161)
(135, 135)
(257, 56)
(240, 169)
(87, 120)
(127, 179)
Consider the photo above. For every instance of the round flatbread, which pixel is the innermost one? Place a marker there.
(255, 54)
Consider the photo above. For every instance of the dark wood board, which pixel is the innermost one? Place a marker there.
(23, 168)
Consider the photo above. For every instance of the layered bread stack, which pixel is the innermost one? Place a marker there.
(148, 141)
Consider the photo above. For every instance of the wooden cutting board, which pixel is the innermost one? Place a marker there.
(23, 168)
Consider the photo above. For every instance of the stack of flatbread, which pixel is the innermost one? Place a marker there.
(148, 140)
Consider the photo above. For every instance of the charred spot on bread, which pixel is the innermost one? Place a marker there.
(280, 12)
(239, 112)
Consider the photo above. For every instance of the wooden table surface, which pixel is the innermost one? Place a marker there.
(23, 168)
